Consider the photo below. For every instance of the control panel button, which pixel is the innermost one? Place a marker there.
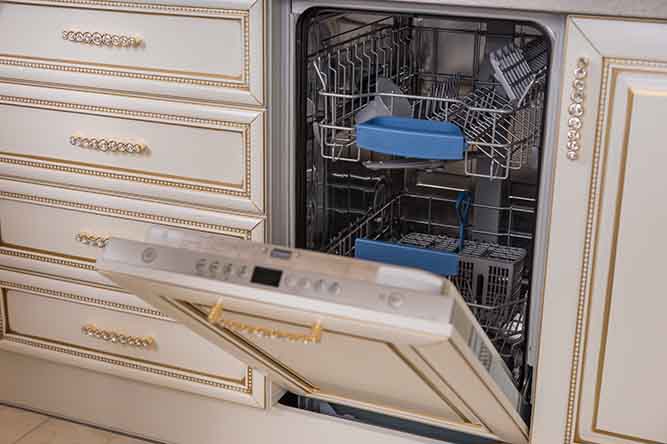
(334, 288)
(215, 267)
(149, 255)
(304, 283)
(290, 282)
(200, 266)
(395, 300)
(320, 285)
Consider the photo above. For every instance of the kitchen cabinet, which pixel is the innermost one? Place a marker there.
(601, 365)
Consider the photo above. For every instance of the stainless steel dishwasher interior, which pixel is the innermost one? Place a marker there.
(335, 192)
(431, 68)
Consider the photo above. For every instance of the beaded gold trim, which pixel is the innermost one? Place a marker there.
(81, 299)
(45, 258)
(149, 6)
(2, 314)
(167, 220)
(247, 388)
(243, 128)
(123, 74)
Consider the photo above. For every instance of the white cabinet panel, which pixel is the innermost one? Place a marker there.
(47, 320)
(192, 154)
(211, 53)
(601, 368)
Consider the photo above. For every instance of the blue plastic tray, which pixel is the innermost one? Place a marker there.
(439, 262)
(419, 139)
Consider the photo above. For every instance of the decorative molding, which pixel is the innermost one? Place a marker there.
(56, 260)
(610, 67)
(89, 68)
(124, 74)
(178, 9)
(166, 220)
(81, 299)
(133, 365)
(214, 381)
(243, 128)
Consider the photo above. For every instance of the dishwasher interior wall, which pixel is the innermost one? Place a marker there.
(428, 67)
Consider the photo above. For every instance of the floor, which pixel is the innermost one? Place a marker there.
(24, 427)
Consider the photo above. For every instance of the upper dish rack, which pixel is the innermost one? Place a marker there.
(499, 130)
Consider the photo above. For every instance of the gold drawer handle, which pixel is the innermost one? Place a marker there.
(111, 145)
(314, 337)
(101, 39)
(117, 338)
(92, 239)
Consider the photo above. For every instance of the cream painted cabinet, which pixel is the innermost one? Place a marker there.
(603, 360)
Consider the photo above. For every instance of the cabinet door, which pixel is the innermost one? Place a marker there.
(602, 358)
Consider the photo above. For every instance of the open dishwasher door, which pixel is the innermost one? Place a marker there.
(386, 339)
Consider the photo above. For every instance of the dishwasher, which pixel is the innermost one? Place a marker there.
(415, 188)
(395, 197)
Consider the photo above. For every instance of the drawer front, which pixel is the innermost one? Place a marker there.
(140, 347)
(203, 52)
(206, 155)
(50, 230)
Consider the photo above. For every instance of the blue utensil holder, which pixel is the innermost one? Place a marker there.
(443, 263)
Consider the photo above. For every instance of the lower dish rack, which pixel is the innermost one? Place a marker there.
(489, 276)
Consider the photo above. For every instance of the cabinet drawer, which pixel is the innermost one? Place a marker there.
(203, 52)
(59, 232)
(206, 155)
(140, 347)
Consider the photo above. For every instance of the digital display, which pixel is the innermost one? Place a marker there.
(281, 254)
(266, 276)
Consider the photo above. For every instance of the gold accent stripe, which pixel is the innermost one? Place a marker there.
(47, 292)
(145, 6)
(464, 418)
(123, 74)
(167, 220)
(200, 122)
(2, 312)
(116, 176)
(45, 258)
(131, 365)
